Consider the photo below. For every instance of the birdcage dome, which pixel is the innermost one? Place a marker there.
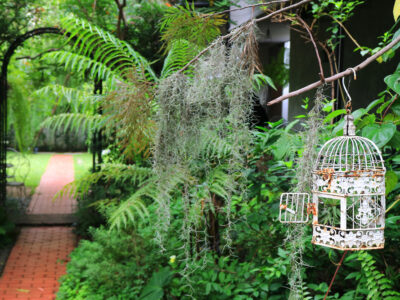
(349, 153)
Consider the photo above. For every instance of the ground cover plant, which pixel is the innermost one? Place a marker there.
(185, 205)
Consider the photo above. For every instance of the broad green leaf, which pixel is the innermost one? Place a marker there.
(393, 81)
(396, 109)
(392, 220)
(395, 141)
(390, 181)
(374, 103)
(334, 114)
(379, 134)
(357, 114)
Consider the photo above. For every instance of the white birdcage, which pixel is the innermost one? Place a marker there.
(348, 194)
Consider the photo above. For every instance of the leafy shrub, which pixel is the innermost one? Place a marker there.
(112, 266)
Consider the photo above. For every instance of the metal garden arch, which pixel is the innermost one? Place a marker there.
(3, 105)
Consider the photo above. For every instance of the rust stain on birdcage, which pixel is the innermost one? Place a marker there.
(311, 209)
(327, 174)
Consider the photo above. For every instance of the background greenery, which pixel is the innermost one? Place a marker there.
(234, 247)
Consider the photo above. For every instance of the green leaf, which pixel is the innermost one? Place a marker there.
(375, 103)
(334, 114)
(379, 134)
(391, 181)
(393, 81)
(396, 10)
(395, 141)
(396, 109)
(260, 79)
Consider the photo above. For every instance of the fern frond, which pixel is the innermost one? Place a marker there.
(179, 55)
(104, 48)
(215, 147)
(221, 183)
(79, 99)
(379, 287)
(181, 22)
(80, 63)
(129, 174)
(129, 209)
(169, 184)
(76, 122)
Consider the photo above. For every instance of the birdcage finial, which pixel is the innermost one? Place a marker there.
(349, 128)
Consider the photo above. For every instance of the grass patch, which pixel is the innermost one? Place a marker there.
(34, 169)
(82, 164)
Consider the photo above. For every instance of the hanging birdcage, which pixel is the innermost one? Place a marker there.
(348, 194)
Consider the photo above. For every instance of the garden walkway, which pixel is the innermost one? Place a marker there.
(39, 256)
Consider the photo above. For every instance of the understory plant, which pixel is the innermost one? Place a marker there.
(195, 209)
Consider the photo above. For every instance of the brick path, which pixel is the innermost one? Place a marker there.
(59, 172)
(39, 255)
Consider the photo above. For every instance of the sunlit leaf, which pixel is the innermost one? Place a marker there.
(396, 10)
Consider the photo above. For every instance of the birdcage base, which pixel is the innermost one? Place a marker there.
(348, 239)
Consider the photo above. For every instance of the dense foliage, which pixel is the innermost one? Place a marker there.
(186, 202)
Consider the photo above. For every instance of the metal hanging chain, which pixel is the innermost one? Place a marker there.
(348, 106)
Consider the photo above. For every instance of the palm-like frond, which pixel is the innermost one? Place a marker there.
(103, 51)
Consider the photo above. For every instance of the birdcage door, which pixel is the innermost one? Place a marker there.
(293, 207)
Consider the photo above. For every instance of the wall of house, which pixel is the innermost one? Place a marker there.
(371, 20)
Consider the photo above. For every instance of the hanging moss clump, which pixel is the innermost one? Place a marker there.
(202, 142)
(295, 235)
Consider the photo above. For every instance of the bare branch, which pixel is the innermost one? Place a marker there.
(345, 29)
(39, 55)
(250, 22)
(338, 75)
(279, 11)
(321, 70)
(244, 7)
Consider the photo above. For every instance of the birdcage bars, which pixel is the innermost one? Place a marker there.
(348, 194)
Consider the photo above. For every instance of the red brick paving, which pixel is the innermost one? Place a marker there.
(36, 262)
(59, 172)
(39, 256)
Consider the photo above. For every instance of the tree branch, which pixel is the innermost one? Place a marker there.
(244, 7)
(39, 55)
(250, 22)
(121, 17)
(337, 76)
(345, 29)
(321, 70)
